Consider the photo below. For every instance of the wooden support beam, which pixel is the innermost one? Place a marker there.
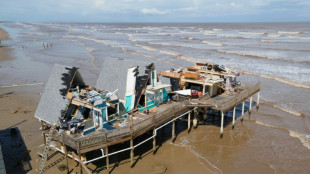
(154, 140)
(195, 121)
(222, 123)
(234, 117)
(173, 130)
(205, 113)
(189, 121)
(66, 157)
(44, 135)
(131, 152)
(203, 89)
(81, 164)
(242, 113)
(107, 159)
(257, 103)
(250, 109)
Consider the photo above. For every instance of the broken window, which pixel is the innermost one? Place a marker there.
(112, 111)
(122, 109)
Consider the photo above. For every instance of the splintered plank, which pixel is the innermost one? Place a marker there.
(170, 74)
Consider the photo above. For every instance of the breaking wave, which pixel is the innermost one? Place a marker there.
(180, 56)
(172, 45)
(217, 29)
(189, 38)
(213, 43)
(263, 57)
(290, 32)
(288, 110)
(280, 79)
(252, 33)
(299, 37)
(303, 138)
(270, 41)
(165, 44)
(274, 35)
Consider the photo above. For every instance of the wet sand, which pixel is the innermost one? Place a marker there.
(4, 51)
(270, 141)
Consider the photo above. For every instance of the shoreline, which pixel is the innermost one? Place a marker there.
(196, 152)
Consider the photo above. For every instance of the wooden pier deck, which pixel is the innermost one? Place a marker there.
(146, 122)
(227, 102)
(142, 123)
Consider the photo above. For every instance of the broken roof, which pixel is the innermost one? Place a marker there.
(53, 101)
(113, 74)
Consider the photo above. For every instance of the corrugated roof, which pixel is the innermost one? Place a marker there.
(53, 101)
(113, 74)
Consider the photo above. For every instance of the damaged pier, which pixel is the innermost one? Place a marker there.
(82, 119)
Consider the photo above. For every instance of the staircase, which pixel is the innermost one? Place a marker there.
(46, 149)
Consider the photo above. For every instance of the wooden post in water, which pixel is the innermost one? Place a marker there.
(205, 113)
(250, 109)
(154, 140)
(173, 130)
(189, 122)
(222, 123)
(195, 121)
(234, 116)
(107, 159)
(242, 113)
(80, 162)
(44, 135)
(257, 103)
(66, 154)
(131, 152)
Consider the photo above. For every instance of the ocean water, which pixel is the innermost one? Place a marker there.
(276, 54)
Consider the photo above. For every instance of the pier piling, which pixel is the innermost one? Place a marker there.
(80, 162)
(131, 152)
(222, 123)
(195, 121)
(66, 156)
(234, 116)
(154, 140)
(242, 110)
(107, 159)
(257, 103)
(173, 130)
(250, 109)
(204, 113)
(189, 122)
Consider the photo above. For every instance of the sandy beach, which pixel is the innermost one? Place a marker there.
(269, 141)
